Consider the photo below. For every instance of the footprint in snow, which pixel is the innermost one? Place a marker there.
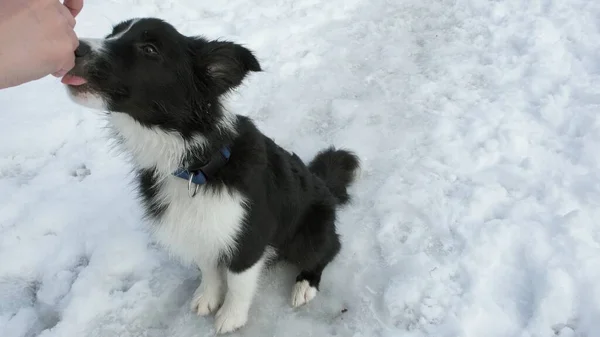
(564, 330)
(81, 172)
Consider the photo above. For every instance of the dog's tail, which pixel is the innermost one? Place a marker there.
(338, 168)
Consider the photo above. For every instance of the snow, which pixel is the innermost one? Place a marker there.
(477, 124)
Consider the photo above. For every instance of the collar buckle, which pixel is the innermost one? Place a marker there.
(199, 175)
(190, 183)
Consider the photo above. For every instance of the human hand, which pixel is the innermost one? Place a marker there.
(37, 39)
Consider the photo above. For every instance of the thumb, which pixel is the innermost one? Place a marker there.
(74, 6)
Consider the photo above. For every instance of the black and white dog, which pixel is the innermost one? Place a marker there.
(220, 194)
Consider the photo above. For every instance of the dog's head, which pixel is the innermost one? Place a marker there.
(147, 69)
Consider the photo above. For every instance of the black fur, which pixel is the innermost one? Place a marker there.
(178, 86)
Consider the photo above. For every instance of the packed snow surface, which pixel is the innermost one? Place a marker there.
(478, 126)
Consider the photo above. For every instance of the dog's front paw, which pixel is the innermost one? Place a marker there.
(206, 302)
(231, 317)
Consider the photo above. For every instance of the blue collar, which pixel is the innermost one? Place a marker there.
(201, 173)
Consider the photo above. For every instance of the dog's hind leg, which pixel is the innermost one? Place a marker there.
(313, 247)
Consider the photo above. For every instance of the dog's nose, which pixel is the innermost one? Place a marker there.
(83, 49)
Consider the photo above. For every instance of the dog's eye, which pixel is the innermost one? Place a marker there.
(149, 49)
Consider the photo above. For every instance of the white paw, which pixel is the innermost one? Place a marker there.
(231, 317)
(206, 302)
(302, 293)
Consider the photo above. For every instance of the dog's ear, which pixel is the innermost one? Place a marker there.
(225, 63)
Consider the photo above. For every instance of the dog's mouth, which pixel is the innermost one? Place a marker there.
(73, 80)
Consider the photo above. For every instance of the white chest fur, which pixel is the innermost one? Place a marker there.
(198, 230)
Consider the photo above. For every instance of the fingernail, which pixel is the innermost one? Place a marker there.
(60, 73)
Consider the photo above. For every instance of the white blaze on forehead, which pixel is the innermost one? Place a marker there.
(121, 33)
(96, 44)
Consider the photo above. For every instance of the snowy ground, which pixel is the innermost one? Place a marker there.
(478, 126)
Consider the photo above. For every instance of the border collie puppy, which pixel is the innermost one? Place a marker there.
(220, 195)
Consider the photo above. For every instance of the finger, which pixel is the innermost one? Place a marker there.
(73, 38)
(70, 64)
(74, 6)
(64, 11)
(68, 60)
